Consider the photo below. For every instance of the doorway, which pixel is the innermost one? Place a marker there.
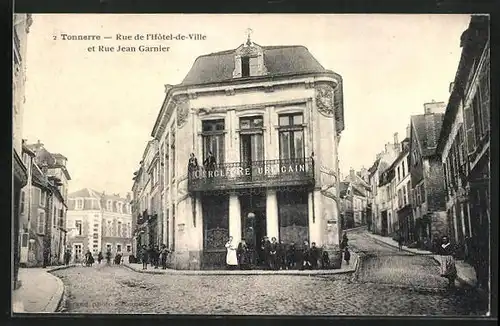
(384, 223)
(254, 226)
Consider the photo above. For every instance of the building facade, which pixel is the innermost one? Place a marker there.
(464, 149)
(382, 189)
(402, 206)
(49, 175)
(20, 30)
(99, 222)
(262, 123)
(427, 176)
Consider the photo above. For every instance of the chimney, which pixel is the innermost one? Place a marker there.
(378, 156)
(408, 131)
(434, 107)
(352, 174)
(396, 141)
(452, 84)
(387, 146)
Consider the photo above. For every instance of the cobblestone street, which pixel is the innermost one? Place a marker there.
(388, 282)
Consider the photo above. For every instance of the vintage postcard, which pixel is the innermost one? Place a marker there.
(264, 164)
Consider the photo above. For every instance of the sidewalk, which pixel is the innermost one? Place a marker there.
(40, 292)
(344, 269)
(466, 273)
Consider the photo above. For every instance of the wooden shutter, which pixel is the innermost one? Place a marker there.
(41, 223)
(469, 128)
(484, 86)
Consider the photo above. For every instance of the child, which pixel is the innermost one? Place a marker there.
(325, 260)
(347, 255)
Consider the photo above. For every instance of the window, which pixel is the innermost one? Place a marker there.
(167, 161)
(109, 229)
(43, 198)
(291, 136)
(41, 222)
(96, 236)
(22, 202)
(245, 66)
(422, 193)
(78, 226)
(119, 229)
(108, 247)
(79, 203)
(293, 217)
(129, 248)
(251, 139)
(400, 198)
(118, 248)
(109, 206)
(484, 89)
(399, 173)
(405, 199)
(95, 246)
(417, 195)
(213, 139)
(129, 230)
(403, 168)
(96, 225)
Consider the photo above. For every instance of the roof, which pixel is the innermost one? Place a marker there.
(90, 193)
(421, 128)
(279, 60)
(374, 167)
(58, 155)
(343, 188)
(356, 192)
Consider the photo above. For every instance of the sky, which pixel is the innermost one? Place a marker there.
(98, 108)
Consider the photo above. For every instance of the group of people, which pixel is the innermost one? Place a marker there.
(154, 255)
(274, 255)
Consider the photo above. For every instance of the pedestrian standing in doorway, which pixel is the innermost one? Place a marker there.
(144, 257)
(347, 255)
(156, 255)
(46, 257)
(314, 256)
(273, 251)
(243, 255)
(306, 260)
(164, 256)
(231, 257)
(448, 267)
(67, 257)
(266, 249)
(400, 241)
(345, 241)
(281, 255)
(291, 256)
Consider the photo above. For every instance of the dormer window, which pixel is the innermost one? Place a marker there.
(245, 66)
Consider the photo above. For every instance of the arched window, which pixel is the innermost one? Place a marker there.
(109, 206)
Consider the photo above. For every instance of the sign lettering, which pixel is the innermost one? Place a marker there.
(234, 172)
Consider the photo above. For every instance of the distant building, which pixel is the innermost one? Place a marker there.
(427, 176)
(381, 191)
(360, 192)
(464, 149)
(99, 222)
(269, 118)
(45, 205)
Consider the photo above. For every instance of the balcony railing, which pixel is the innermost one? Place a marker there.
(241, 175)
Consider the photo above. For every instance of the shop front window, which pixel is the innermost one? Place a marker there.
(293, 217)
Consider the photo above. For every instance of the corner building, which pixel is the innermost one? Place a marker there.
(272, 117)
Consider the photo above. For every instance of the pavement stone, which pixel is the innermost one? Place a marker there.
(387, 283)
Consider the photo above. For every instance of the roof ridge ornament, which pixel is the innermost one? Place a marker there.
(249, 32)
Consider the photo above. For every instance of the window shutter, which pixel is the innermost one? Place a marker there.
(469, 129)
(41, 223)
(484, 85)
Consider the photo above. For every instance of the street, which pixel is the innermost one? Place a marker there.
(388, 282)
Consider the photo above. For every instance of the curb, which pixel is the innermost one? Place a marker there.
(252, 272)
(61, 289)
(460, 280)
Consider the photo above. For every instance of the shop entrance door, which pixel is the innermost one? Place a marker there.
(253, 210)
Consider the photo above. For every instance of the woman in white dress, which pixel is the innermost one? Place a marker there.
(231, 257)
(448, 267)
